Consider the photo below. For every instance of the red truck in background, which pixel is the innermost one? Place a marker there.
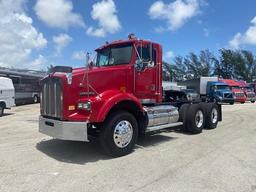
(248, 91)
(117, 98)
(253, 87)
(238, 93)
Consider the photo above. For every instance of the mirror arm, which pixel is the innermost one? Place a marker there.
(137, 53)
(151, 51)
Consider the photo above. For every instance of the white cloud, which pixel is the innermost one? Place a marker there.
(58, 13)
(247, 38)
(38, 63)
(61, 41)
(236, 41)
(169, 55)
(206, 32)
(176, 13)
(79, 55)
(160, 29)
(18, 36)
(105, 13)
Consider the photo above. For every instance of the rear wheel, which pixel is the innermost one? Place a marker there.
(195, 119)
(119, 134)
(1, 110)
(35, 99)
(252, 101)
(211, 111)
(183, 115)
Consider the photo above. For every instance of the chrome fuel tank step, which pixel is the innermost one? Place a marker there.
(161, 115)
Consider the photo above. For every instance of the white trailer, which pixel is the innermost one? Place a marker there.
(7, 94)
(168, 85)
(199, 84)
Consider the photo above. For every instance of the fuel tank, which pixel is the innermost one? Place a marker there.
(162, 114)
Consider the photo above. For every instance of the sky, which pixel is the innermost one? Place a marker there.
(37, 33)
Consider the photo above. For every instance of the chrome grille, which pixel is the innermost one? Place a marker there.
(228, 95)
(250, 95)
(239, 94)
(51, 98)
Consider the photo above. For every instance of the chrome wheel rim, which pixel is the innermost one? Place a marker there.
(123, 133)
(199, 118)
(214, 115)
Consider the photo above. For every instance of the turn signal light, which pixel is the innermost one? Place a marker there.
(71, 107)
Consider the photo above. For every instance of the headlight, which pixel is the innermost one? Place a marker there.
(84, 105)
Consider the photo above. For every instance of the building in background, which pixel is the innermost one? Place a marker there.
(26, 84)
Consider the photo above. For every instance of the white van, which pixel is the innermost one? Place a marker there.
(6, 94)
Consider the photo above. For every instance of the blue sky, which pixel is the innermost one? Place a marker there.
(58, 31)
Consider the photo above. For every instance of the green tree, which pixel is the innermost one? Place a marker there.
(200, 65)
(225, 67)
(245, 65)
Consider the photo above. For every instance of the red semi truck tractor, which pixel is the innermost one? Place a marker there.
(239, 95)
(117, 99)
(248, 91)
(253, 87)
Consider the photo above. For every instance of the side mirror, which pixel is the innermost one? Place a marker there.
(151, 55)
(140, 65)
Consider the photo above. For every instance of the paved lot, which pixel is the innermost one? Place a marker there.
(223, 159)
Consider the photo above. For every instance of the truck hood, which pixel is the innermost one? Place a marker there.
(96, 80)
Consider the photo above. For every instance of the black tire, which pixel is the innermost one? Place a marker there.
(252, 101)
(1, 110)
(35, 99)
(195, 125)
(107, 134)
(183, 111)
(232, 103)
(211, 112)
(242, 102)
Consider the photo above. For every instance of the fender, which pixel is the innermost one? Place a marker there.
(112, 97)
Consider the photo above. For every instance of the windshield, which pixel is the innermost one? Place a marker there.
(120, 54)
(235, 87)
(249, 89)
(223, 87)
(220, 87)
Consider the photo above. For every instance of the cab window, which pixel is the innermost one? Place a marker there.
(144, 54)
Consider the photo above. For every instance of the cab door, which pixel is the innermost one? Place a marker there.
(146, 73)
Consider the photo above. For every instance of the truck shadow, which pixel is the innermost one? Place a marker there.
(72, 151)
(82, 153)
(7, 114)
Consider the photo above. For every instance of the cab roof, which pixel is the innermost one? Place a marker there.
(218, 83)
(126, 41)
(230, 82)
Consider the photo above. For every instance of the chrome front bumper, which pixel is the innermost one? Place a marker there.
(64, 130)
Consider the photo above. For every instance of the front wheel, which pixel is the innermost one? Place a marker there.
(119, 134)
(252, 101)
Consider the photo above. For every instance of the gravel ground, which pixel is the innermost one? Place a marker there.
(223, 159)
